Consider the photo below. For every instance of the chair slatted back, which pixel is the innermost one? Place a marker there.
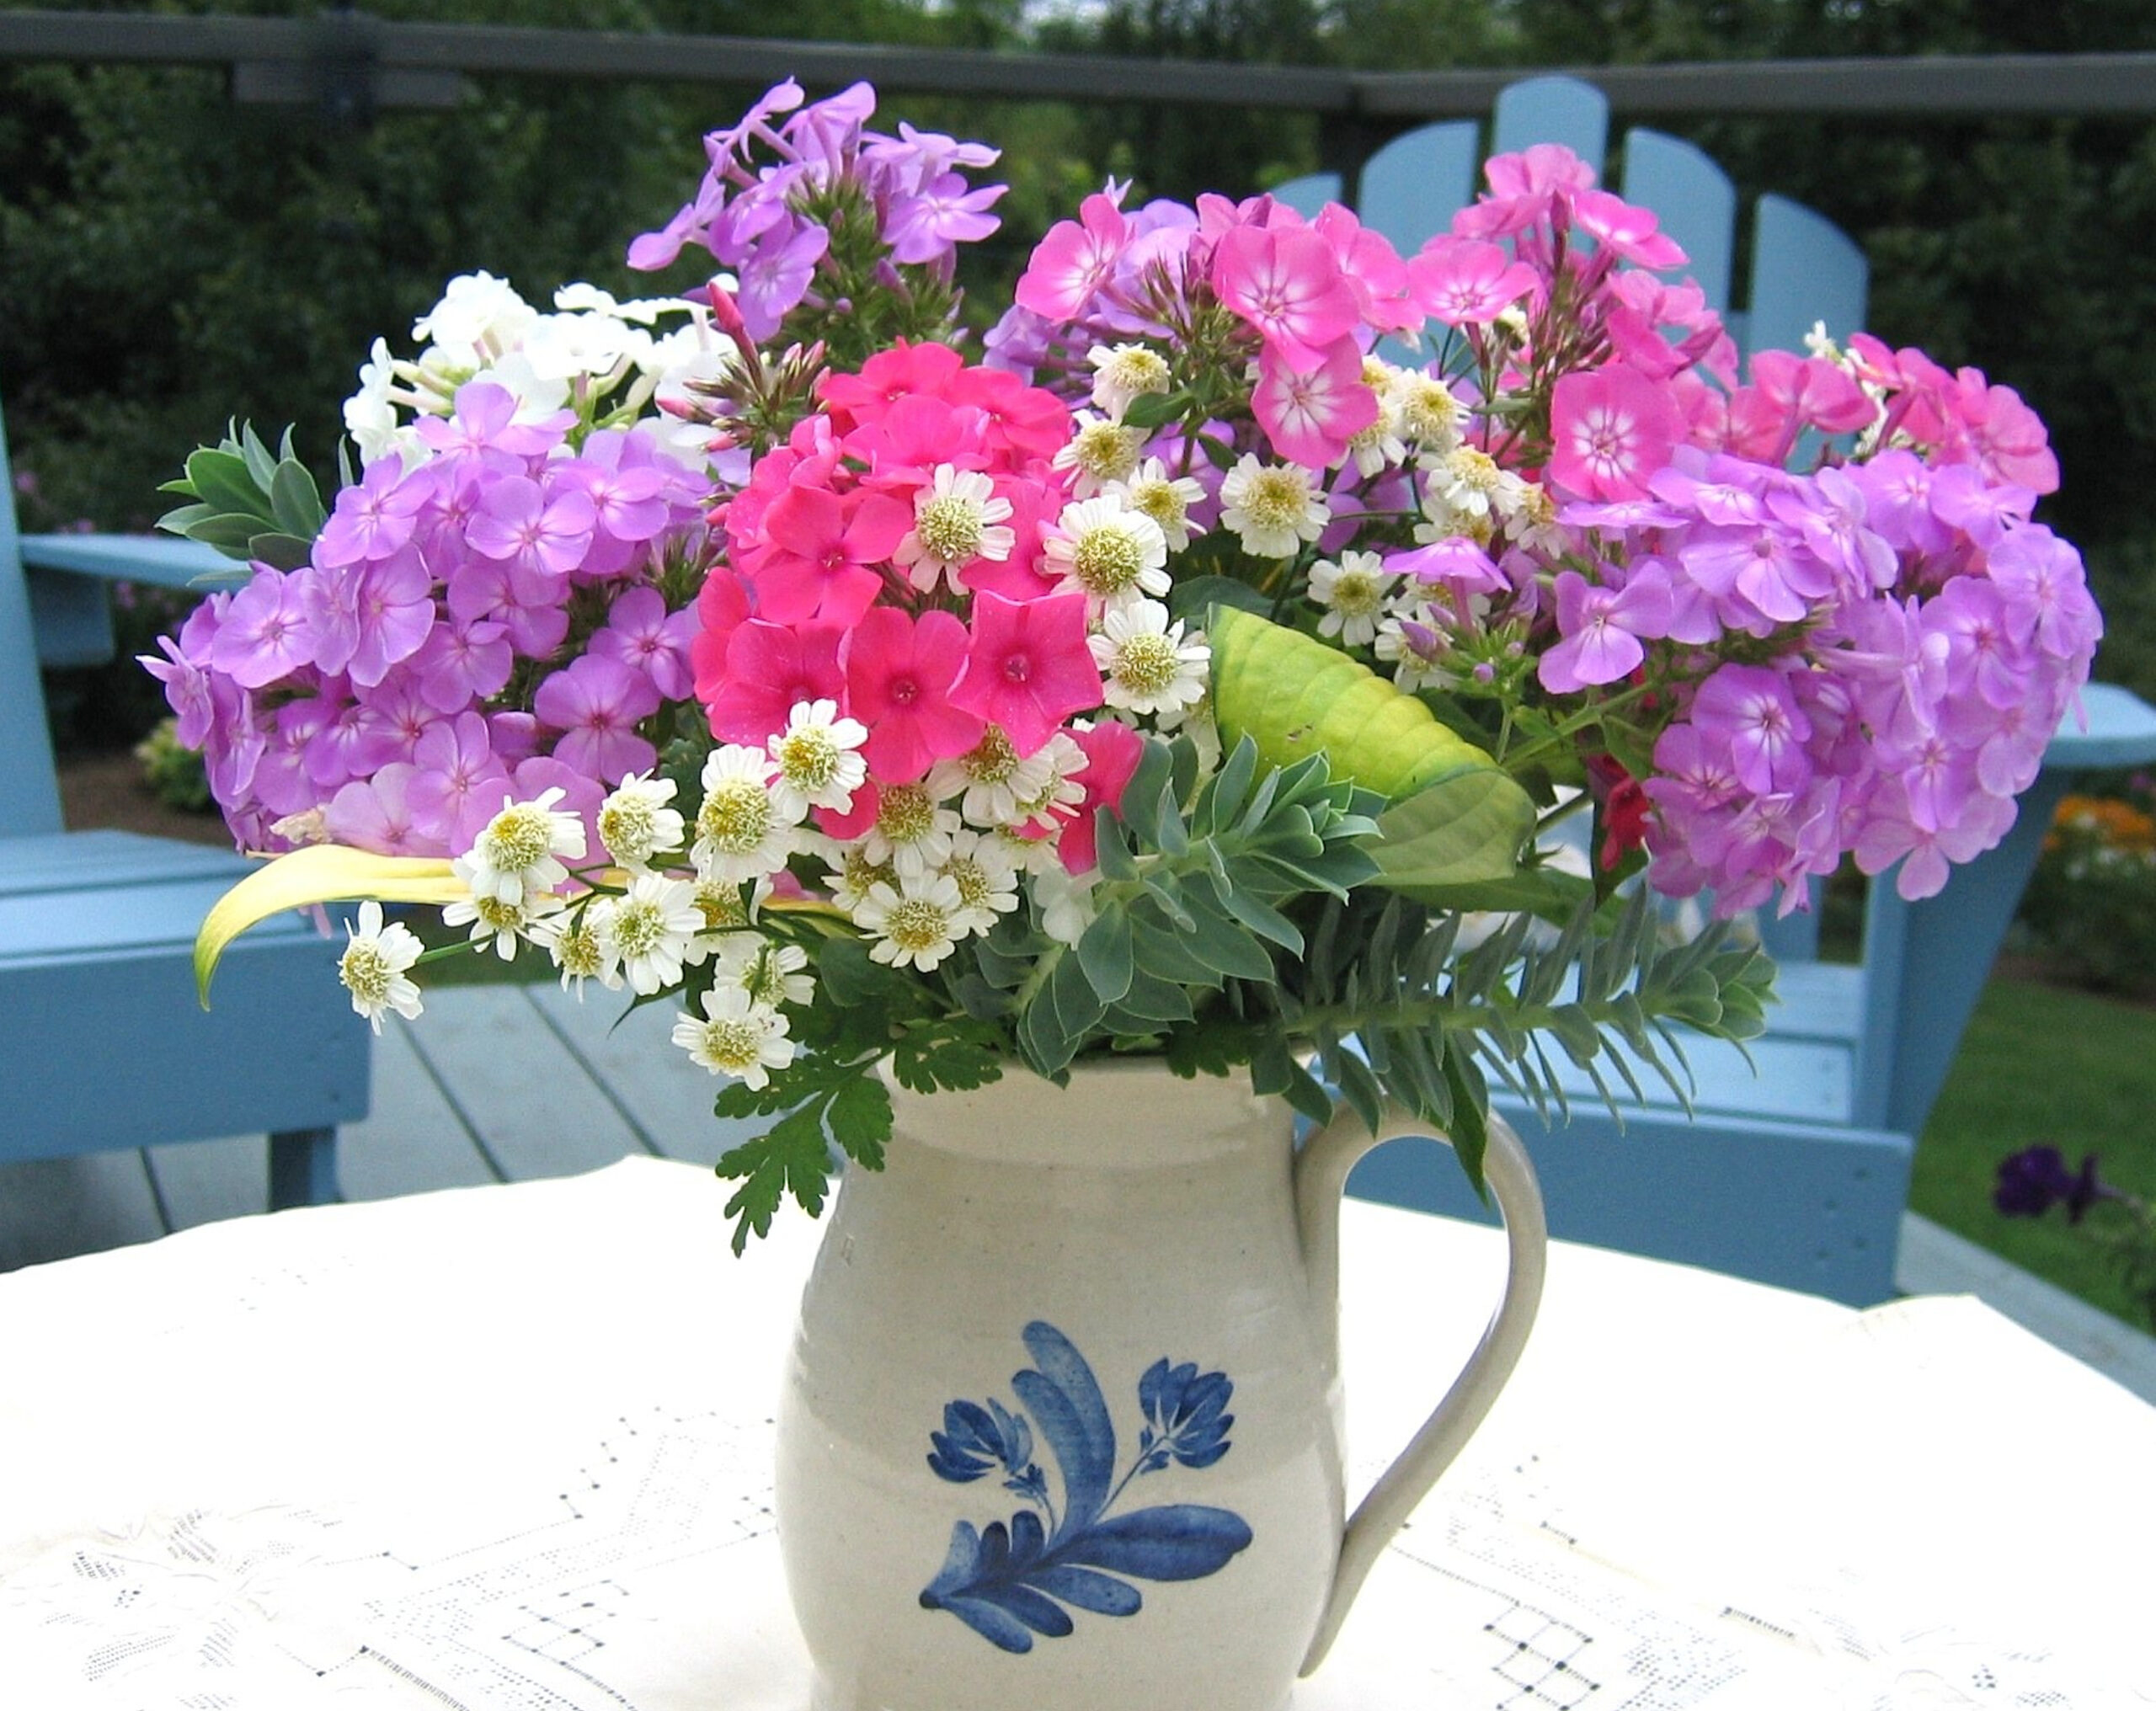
(29, 788)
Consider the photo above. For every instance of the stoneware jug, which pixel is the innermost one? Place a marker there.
(1062, 1425)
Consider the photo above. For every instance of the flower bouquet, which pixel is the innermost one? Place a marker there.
(1168, 674)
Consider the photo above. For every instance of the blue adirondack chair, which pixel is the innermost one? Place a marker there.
(102, 1044)
(1796, 1173)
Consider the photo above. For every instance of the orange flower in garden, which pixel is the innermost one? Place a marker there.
(2115, 825)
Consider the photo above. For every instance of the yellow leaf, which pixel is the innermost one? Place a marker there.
(319, 873)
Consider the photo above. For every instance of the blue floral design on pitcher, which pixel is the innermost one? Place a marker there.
(1012, 1580)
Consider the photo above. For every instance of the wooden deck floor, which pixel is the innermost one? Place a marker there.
(499, 1084)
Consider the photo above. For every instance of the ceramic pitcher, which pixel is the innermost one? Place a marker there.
(1062, 1425)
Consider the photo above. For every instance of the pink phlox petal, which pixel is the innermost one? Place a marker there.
(1075, 259)
(1310, 410)
(1467, 282)
(1611, 429)
(769, 668)
(1028, 668)
(1286, 284)
(899, 674)
(1112, 751)
(1633, 233)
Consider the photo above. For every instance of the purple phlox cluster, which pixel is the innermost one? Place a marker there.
(1918, 658)
(486, 622)
(749, 211)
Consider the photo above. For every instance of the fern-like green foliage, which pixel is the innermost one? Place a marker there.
(1241, 920)
(249, 505)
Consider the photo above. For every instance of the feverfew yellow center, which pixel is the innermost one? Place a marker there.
(1107, 560)
(916, 924)
(950, 527)
(1106, 452)
(735, 817)
(518, 838)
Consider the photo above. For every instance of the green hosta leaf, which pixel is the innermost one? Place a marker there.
(279, 552)
(1467, 829)
(295, 502)
(1295, 697)
(231, 535)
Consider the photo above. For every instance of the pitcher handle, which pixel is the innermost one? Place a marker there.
(1320, 1178)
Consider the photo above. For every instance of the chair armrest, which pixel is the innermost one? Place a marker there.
(2120, 730)
(165, 560)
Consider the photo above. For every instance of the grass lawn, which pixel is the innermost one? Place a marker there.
(2043, 1065)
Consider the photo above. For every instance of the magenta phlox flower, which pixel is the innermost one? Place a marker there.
(402, 712)
(1456, 563)
(768, 669)
(1961, 499)
(1468, 282)
(484, 433)
(1311, 403)
(393, 609)
(909, 369)
(2045, 594)
(643, 635)
(1112, 751)
(265, 633)
(463, 661)
(375, 813)
(775, 275)
(899, 674)
(544, 536)
(596, 703)
(1631, 517)
(903, 444)
(1028, 668)
(1986, 652)
(2003, 436)
(1524, 191)
(282, 782)
(1751, 709)
(1603, 628)
(350, 741)
(1760, 577)
(1384, 288)
(2010, 742)
(942, 214)
(459, 783)
(1075, 260)
(1630, 232)
(529, 608)
(1829, 512)
(234, 742)
(1896, 488)
(375, 516)
(513, 736)
(1891, 833)
(1287, 284)
(187, 687)
(1611, 429)
(632, 495)
(826, 549)
(651, 251)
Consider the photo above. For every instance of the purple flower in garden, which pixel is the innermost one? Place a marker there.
(542, 534)
(376, 517)
(1749, 710)
(2032, 1181)
(595, 704)
(529, 608)
(375, 813)
(483, 431)
(1603, 628)
(265, 633)
(181, 671)
(2046, 591)
(461, 783)
(282, 777)
(775, 276)
(399, 703)
(464, 660)
(928, 225)
(643, 635)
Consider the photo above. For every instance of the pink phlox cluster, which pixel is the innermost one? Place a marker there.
(748, 210)
(370, 686)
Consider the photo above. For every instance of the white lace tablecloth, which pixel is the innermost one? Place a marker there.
(507, 1449)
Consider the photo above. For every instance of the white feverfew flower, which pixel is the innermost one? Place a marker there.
(1472, 484)
(1057, 763)
(852, 874)
(735, 1036)
(918, 923)
(1101, 451)
(1531, 521)
(989, 779)
(1147, 665)
(957, 518)
(742, 832)
(502, 924)
(1102, 548)
(1428, 417)
(1166, 499)
(374, 965)
(818, 759)
(522, 850)
(572, 939)
(769, 973)
(647, 931)
(912, 831)
(1353, 590)
(1274, 509)
(635, 822)
(1123, 373)
(1380, 447)
(986, 873)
